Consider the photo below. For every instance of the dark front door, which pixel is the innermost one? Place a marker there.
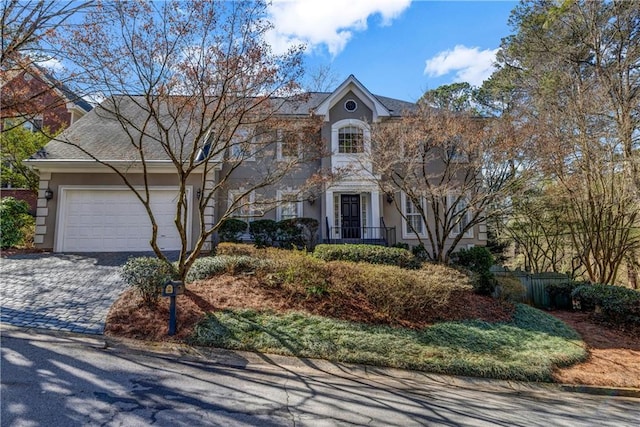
(350, 216)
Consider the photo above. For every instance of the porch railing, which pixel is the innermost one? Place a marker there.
(385, 236)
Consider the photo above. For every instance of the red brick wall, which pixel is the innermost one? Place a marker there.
(32, 97)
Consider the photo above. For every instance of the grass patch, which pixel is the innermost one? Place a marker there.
(527, 348)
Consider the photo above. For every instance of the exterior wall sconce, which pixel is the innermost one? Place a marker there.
(48, 194)
(389, 198)
(198, 193)
(311, 199)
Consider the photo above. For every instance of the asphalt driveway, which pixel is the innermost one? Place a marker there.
(62, 292)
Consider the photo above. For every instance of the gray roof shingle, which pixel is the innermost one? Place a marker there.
(101, 134)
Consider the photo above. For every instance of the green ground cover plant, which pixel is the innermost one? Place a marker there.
(527, 348)
(207, 267)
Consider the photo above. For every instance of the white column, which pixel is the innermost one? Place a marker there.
(329, 214)
(375, 209)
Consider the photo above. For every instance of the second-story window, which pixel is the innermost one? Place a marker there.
(243, 145)
(34, 124)
(350, 140)
(289, 145)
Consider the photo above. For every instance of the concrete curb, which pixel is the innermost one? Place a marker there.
(602, 391)
(249, 360)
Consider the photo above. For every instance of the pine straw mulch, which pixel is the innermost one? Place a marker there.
(614, 354)
(128, 318)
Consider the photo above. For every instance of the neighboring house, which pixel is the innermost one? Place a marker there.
(34, 99)
(91, 209)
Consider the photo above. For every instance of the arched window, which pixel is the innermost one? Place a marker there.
(350, 140)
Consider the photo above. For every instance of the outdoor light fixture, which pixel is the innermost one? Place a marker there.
(198, 193)
(311, 199)
(48, 194)
(389, 198)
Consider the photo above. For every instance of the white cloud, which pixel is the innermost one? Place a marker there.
(51, 64)
(326, 22)
(471, 65)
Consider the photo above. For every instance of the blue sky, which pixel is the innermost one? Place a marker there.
(396, 48)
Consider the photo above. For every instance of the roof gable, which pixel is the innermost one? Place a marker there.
(352, 84)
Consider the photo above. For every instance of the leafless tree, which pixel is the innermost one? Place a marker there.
(193, 82)
(451, 168)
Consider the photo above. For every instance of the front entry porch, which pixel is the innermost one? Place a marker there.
(354, 217)
(385, 236)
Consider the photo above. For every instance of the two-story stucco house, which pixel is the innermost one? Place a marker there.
(92, 210)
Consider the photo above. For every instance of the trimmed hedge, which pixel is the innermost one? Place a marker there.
(478, 260)
(147, 275)
(617, 304)
(264, 232)
(231, 229)
(372, 254)
(300, 233)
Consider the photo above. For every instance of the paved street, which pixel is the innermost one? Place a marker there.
(73, 381)
(60, 292)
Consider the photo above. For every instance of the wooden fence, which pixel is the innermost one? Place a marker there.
(535, 285)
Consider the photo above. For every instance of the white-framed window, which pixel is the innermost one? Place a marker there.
(351, 105)
(34, 124)
(413, 222)
(350, 140)
(461, 215)
(243, 144)
(205, 150)
(288, 145)
(244, 204)
(288, 206)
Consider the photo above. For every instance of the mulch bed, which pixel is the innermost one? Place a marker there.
(614, 354)
(129, 319)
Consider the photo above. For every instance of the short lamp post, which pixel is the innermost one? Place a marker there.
(171, 289)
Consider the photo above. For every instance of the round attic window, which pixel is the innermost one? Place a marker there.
(350, 105)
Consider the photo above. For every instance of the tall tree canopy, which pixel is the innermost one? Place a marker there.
(451, 97)
(572, 72)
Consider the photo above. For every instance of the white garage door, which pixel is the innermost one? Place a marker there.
(114, 220)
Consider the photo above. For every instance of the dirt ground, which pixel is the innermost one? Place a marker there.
(614, 355)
